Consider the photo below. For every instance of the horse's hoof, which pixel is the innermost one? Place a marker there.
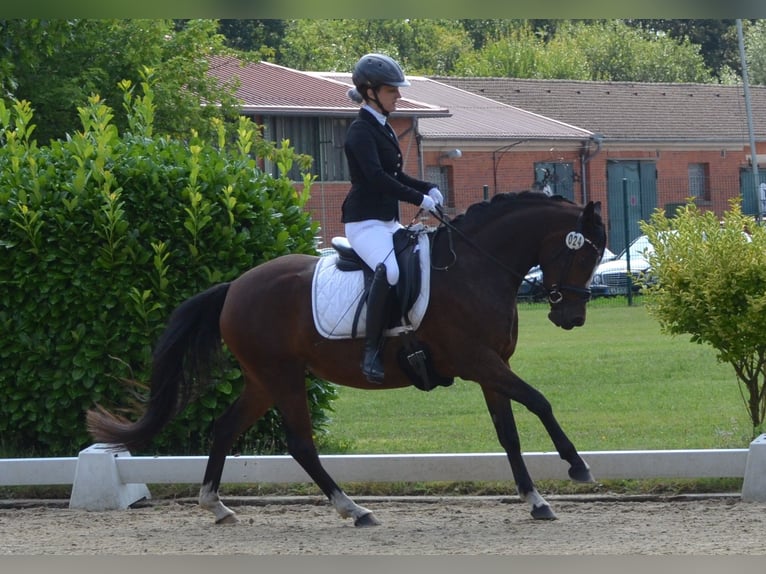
(366, 520)
(230, 519)
(543, 512)
(581, 474)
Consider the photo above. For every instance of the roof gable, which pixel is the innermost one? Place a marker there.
(268, 89)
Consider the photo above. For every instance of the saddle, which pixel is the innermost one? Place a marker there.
(407, 252)
(339, 279)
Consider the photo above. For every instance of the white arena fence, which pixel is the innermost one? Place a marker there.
(106, 480)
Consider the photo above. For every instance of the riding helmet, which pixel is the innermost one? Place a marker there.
(374, 70)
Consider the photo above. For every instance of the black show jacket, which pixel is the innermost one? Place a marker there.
(377, 180)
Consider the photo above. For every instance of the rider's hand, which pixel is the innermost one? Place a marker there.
(428, 204)
(436, 195)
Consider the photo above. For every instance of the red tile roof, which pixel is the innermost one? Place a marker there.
(445, 112)
(477, 117)
(633, 111)
(268, 89)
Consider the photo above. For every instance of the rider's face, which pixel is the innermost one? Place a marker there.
(387, 96)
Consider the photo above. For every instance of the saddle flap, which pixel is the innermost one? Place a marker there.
(407, 252)
(336, 293)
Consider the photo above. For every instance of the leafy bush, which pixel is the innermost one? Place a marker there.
(710, 274)
(101, 236)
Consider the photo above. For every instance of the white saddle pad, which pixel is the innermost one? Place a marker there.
(335, 296)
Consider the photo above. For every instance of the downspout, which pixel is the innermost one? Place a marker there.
(419, 143)
(585, 158)
(418, 137)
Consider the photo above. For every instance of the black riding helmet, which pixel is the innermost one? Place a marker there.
(374, 71)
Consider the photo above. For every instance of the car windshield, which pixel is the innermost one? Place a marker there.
(639, 248)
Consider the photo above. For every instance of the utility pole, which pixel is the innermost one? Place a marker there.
(749, 111)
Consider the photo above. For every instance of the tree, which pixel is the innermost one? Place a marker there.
(520, 54)
(57, 65)
(602, 50)
(717, 39)
(755, 50)
(421, 46)
(261, 36)
(710, 278)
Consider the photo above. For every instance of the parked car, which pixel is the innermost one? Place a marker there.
(611, 277)
(531, 289)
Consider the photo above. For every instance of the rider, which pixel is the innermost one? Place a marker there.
(371, 208)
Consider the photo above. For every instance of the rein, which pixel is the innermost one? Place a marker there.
(574, 241)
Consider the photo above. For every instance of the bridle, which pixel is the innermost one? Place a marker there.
(573, 242)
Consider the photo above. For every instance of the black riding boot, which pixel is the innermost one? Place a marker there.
(372, 364)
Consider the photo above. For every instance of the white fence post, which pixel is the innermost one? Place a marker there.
(97, 483)
(754, 483)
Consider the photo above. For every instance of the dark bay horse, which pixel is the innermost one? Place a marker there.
(470, 329)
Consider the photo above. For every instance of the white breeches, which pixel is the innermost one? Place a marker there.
(373, 240)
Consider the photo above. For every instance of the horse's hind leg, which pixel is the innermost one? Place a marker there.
(241, 415)
(295, 411)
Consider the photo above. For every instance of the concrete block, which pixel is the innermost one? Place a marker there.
(754, 483)
(97, 484)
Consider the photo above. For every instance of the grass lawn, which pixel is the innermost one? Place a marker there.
(616, 383)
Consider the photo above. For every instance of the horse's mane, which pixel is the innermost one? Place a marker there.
(480, 213)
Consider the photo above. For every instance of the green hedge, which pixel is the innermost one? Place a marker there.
(101, 236)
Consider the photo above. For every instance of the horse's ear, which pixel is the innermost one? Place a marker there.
(591, 215)
(593, 207)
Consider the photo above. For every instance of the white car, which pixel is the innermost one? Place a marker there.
(531, 289)
(611, 277)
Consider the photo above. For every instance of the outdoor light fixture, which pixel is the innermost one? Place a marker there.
(451, 154)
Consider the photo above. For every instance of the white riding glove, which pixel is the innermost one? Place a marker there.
(428, 204)
(436, 195)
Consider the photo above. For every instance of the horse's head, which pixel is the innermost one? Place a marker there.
(568, 258)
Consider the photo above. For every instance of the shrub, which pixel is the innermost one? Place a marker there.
(710, 274)
(101, 236)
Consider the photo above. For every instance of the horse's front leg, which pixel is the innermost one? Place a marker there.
(537, 404)
(500, 410)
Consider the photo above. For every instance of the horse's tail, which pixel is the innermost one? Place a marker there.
(181, 366)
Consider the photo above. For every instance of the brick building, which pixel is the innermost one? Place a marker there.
(669, 141)
(635, 147)
(501, 147)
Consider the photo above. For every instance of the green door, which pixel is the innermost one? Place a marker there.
(753, 201)
(640, 190)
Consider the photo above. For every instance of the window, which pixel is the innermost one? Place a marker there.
(442, 177)
(557, 176)
(321, 138)
(699, 181)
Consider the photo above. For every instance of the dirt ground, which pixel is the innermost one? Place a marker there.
(714, 525)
